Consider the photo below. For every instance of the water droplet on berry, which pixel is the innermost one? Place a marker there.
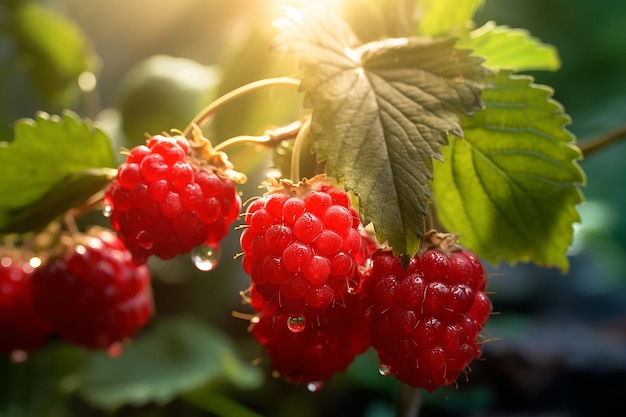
(18, 356)
(384, 370)
(205, 257)
(144, 240)
(115, 350)
(296, 324)
(315, 386)
(107, 211)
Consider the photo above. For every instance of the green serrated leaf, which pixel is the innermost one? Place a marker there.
(55, 50)
(53, 164)
(511, 186)
(381, 111)
(446, 17)
(71, 191)
(175, 356)
(513, 49)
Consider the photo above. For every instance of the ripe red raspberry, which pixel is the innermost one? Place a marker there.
(302, 246)
(21, 326)
(172, 195)
(426, 320)
(93, 294)
(312, 350)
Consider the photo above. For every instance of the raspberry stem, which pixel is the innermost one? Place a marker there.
(409, 401)
(206, 113)
(297, 150)
(271, 137)
(94, 202)
(70, 223)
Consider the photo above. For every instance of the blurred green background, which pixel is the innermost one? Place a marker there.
(559, 345)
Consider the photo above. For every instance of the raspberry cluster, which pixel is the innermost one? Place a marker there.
(426, 319)
(304, 250)
(92, 294)
(324, 291)
(170, 196)
(22, 328)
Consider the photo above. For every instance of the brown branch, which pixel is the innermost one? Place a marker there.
(591, 146)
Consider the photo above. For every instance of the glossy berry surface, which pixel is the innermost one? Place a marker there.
(21, 326)
(161, 205)
(310, 350)
(302, 252)
(426, 320)
(94, 295)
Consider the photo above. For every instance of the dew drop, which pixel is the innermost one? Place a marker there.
(384, 370)
(296, 324)
(315, 386)
(144, 240)
(206, 257)
(115, 350)
(18, 356)
(107, 211)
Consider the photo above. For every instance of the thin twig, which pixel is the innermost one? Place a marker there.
(271, 137)
(409, 401)
(297, 150)
(70, 223)
(238, 140)
(206, 113)
(594, 145)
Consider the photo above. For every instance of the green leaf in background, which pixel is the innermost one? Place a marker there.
(40, 386)
(261, 110)
(381, 111)
(55, 50)
(372, 20)
(513, 49)
(53, 164)
(511, 186)
(175, 356)
(446, 17)
(163, 92)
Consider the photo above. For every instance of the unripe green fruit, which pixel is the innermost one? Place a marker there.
(163, 93)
